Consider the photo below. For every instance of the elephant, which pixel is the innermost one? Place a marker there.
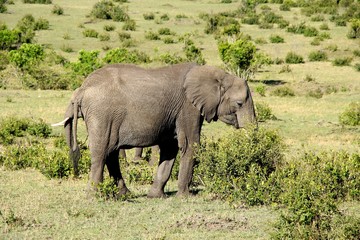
(139, 152)
(125, 106)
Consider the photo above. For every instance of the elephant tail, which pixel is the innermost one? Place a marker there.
(70, 127)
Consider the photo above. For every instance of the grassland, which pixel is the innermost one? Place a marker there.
(34, 207)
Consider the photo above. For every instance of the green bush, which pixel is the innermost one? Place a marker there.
(149, 16)
(104, 37)
(109, 27)
(313, 187)
(38, 1)
(165, 17)
(129, 25)
(41, 24)
(26, 28)
(150, 35)
(317, 56)
(122, 55)
(261, 89)
(263, 112)
(170, 59)
(238, 55)
(354, 31)
(351, 115)
(27, 56)
(344, 61)
(124, 36)
(283, 92)
(324, 26)
(87, 63)
(91, 33)
(293, 58)
(165, 31)
(8, 39)
(238, 167)
(301, 28)
(193, 53)
(108, 10)
(57, 10)
(140, 173)
(276, 39)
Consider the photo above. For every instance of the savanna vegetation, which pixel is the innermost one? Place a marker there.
(295, 177)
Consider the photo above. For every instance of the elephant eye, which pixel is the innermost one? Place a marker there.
(239, 103)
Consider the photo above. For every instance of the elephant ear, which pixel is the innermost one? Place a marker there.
(203, 88)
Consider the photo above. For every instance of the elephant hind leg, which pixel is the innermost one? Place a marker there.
(168, 154)
(113, 166)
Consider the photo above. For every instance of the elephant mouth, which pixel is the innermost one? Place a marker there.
(231, 120)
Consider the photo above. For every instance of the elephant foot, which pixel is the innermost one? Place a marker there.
(154, 193)
(123, 191)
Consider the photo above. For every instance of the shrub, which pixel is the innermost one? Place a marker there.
(263, 112)
(41, 24)
(165, 31)
(27, 55)
(324, 26)
(141, 173)
(26, 28)
(345, 61)
(293, 58)
(276, 39)
(57, 10)
(193, 53)
(129, 25)
(8, 39)
(104, 37)
(261, 89)
(168, 40)
(238, 55)
(38, 1)
(315, 185)
(165, 17)
(91, 33)
(283, 92)
(284, 7)
(317, 56)
(238, 167)
(152, 35)
(87, 63)
(354, 31)
(122, 55)
(124, 36)
(108, 10)
(109, 27)
(170, 59)
(149, 16)
(357, 67)
(351, 115)
(317, 93)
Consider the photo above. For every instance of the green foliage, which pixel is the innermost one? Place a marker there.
(193, 53)
(315, 186)
(107, 190)
(108, 10)
(238, 55)
(92, 33)
(317, 56)
(123, 55)
(87, 63)
(27, 55)
(26, 28)
(283, 91)
(261, 89)
(238, 167)
(38, 1)
(8, 39)
(150, 35)
(104, 37)
(344, 61)
(293, 58)
(129, 25)
(41, 24)
(351, 115)
(354, 31)
(109, 27)
(301, 28)
(13, 127)
(140, 172)
(124, 36)
(165, 31)
(263, 112)
(57, 10)
(276, 39)
(149, 16)
(170, 59)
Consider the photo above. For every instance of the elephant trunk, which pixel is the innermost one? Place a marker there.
(70, 127)
(246, 115)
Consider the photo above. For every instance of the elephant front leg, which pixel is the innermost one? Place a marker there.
(167, 157)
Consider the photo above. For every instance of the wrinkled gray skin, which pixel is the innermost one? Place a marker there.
(126, 106)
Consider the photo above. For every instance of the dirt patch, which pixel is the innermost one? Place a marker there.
(197, 221)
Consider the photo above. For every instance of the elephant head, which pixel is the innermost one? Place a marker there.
(219, 95)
